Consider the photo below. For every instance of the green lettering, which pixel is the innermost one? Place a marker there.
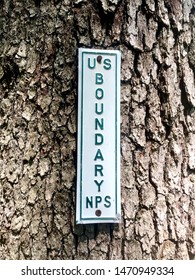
(99, 79)
(99, 155)
(89, 202)
(99, 124)
(99, 111)
(99, 184)
(99, 168)
(89, 64)
(99, 93)
(99, 139)
(98, 200)
(107, 64)
(107, 203)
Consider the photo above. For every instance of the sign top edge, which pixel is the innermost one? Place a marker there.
(96, 51)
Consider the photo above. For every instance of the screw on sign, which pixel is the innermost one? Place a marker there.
(98, 213)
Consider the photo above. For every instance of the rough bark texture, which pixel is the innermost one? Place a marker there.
(38, 110)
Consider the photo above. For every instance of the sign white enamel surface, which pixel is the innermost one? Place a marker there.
(98, 156)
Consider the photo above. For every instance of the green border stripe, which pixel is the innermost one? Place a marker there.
(116, 132)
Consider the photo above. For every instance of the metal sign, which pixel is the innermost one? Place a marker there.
(98, 157)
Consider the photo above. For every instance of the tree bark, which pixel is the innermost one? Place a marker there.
(38, 110)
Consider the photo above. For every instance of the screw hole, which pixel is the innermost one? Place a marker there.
(98, 213)
(99, 58)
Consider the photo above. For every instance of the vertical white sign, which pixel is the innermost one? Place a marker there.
(98, 156)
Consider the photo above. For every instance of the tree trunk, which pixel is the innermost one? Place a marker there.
(38, 111)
